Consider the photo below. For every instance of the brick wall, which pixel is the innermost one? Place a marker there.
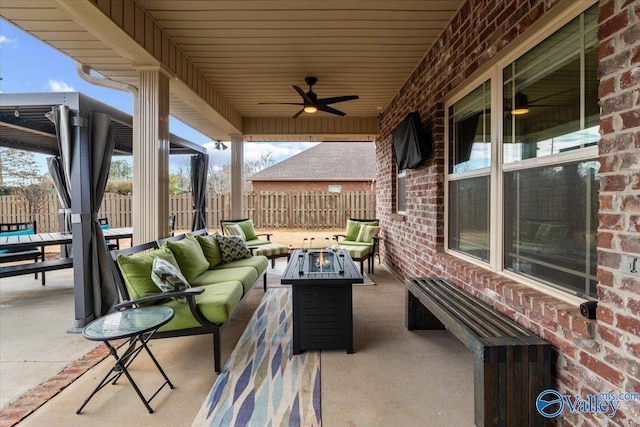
(311, 185)
(590, 356)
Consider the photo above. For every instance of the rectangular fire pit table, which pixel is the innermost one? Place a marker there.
(322, 300)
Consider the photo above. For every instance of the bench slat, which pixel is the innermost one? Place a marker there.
(36, 267)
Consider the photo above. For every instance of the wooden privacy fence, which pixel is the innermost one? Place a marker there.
(267, 209)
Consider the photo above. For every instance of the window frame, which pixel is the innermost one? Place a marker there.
(494, 74)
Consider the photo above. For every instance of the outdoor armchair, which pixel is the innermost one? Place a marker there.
(360, 240)
(245, 229)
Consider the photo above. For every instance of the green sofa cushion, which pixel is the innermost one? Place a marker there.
(259, 263)
(211, 249)
(245, 275)
(357, 251)
(346, 243)
(136, 271)
(216, 304)
(190, 257)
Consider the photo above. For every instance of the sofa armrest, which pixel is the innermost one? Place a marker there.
(190, 293)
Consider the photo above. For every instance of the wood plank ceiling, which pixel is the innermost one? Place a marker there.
(253, 51)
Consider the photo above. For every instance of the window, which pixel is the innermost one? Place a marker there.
(536, 178)
(401, 192)
(335, 188)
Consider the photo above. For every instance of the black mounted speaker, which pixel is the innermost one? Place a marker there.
(588, 309)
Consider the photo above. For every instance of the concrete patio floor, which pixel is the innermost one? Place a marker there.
(395, 377)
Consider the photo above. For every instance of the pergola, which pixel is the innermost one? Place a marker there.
(24, 125)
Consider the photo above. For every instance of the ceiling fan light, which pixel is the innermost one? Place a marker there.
(520, 104)
(310, 108)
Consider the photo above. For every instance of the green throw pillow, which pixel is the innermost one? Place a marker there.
(247, 228)
(233, 248)
(211, 249)
(136, 271)
(190, 257)
(367, 233)
(168, 278)
(353, 228)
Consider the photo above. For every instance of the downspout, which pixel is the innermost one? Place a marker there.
(84, 71)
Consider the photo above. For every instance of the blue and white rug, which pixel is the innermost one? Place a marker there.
(262, 384)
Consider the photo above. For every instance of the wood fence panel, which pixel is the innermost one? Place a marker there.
(268, 209)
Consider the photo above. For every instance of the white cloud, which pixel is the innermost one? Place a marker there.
(59, 86)
(254, 150)
(5, 41)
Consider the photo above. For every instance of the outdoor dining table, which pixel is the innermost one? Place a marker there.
(48, 239)
(51, 239)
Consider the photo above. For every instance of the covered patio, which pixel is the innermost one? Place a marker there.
(528, 199)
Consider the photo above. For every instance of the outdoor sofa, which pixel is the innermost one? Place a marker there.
(219, 279)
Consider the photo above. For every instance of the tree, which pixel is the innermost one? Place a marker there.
(219, 178)
(120, 170)
(33, 197)
(264, 161)
(18, 168)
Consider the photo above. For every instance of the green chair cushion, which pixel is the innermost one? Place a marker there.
(257, 242)
(357, 251)
(245, 275)
(271, 250)
(353, 228)
(136, 271)
(211, 249)
(367, 233)
(259, 263)
(190, 257)
(216, 304)
(248, 229)
(346, 243)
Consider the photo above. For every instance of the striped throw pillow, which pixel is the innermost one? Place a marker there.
(367, 233)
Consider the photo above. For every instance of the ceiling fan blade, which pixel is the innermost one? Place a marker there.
(280, 103)
(331, 110)
(335, 99)
(295, 116)
(304, 96)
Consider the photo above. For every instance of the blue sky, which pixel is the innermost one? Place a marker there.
(29, 65)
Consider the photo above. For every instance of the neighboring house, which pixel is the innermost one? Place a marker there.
(329, 166)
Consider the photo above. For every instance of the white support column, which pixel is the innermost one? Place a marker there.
(237, 179)
(151, 157)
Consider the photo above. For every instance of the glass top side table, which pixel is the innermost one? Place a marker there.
(138, 325)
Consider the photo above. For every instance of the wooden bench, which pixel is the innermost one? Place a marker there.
(512, 364)
(27, 254)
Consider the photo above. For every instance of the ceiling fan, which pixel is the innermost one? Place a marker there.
(310, 102)
(522, 104)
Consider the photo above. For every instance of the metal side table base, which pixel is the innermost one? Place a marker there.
(126, 324)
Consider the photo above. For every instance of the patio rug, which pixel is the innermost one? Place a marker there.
(262, 383)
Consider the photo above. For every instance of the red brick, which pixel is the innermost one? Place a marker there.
(604, 314)
(606, 126)
(607, 9)
(630, 243)
(631, 203)
(609, 335)
(610, 221)
(605, 277)
(606, 202)
(612, 25)
(602, 369)
(630, 119)
(628, 323)
(629, 78)
(605, 240)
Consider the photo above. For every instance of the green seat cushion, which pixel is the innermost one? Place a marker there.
(247, 228)
(190, 257)
(245, 275)
(257, 242)
(210, 249)
(357, 251)
(347, 243)
(271, 250)
(216, 304)
(259, 263)
(136, 271)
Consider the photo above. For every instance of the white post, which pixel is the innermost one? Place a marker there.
(151, 157)
(237, 166)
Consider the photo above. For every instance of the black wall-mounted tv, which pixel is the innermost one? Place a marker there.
(411, 143)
